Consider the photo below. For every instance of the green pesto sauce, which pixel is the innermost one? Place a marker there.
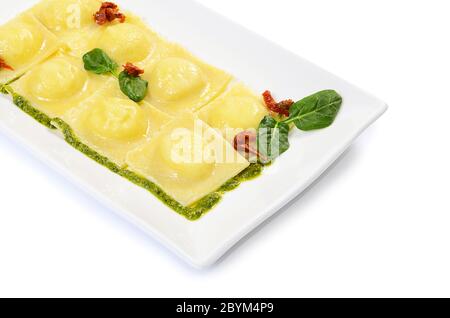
(26, 107)
(193, 212)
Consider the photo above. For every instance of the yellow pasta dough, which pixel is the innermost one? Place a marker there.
(236, 110)
(66, 16)
(24, 42)
(187, 159)
(112, 124)
(180, 82)
(131, 41)
(170, 138)
(58, 84)
(126, 42)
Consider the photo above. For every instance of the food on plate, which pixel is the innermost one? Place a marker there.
(57, 84)
(24, 42)
(145, 108)
(236, 110)
(191, 173)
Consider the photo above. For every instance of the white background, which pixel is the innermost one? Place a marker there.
(377, 224)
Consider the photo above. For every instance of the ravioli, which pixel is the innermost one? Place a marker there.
(131, 41)
(168, 143)
(58, 84)
(236, 110)
(24, 42)
(65, 17)
(112, 124)
(181, 82)
(187, 159)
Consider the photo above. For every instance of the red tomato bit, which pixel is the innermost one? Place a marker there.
(246, 143)
(5, 66)
(281, 108)
(133, 70)
(108, 12)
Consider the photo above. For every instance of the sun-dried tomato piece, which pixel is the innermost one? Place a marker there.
(246, 143)
(108, 12)
(109, 5)
(5, 66)
(281, 108)
(121, 17)
(286, 104)
(133, 70)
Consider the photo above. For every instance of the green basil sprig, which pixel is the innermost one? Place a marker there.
(98, 62)
(134, 87)
(273, 139)
(317, 111)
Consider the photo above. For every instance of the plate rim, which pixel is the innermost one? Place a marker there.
(205, 260)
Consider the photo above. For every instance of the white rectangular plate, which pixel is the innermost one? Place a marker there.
(257, 62)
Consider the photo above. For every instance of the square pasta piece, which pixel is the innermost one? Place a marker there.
(66, 18)
(131, 41)
(181, 82)
(58, 84)
(236, 110)
(24, 42)
(187, 159)
(112, 124)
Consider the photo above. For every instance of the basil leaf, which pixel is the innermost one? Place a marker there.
(134, 87)
(98, 62)
(316, 111)
(273, 139)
